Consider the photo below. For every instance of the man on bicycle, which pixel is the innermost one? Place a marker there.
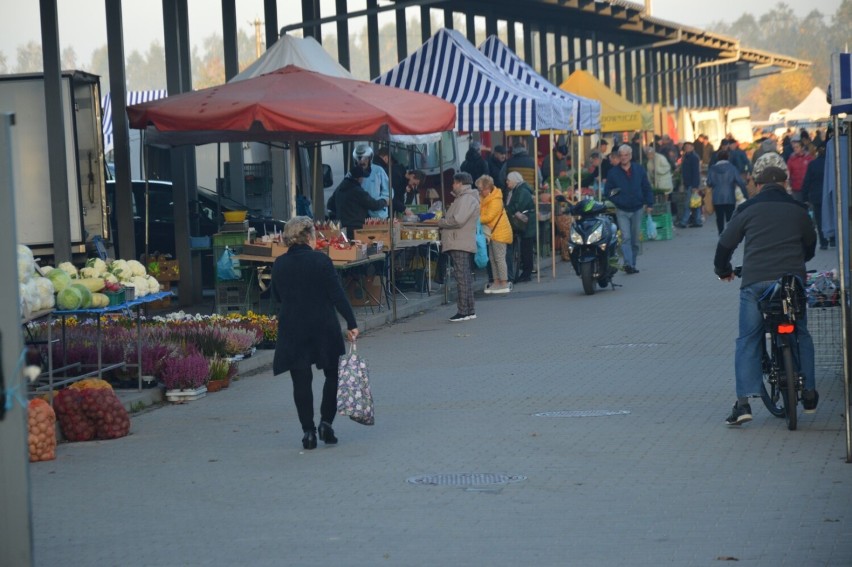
(779, 238)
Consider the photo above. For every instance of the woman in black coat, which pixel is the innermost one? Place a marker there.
(306, 284)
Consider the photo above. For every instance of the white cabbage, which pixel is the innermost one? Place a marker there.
(68, 268)
(136, 267)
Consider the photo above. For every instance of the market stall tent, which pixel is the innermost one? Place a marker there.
(813, 107)
(587, 111)
(291, 104)
(617, 113)
(487, 99)
(306, 53)
(133, 97)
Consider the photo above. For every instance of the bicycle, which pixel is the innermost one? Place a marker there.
(782, 305)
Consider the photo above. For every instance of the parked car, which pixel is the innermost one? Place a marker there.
(161, 222)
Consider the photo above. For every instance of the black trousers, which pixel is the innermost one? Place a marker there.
(723, 215)
(303, 395)
(527, 245)
(817, 209)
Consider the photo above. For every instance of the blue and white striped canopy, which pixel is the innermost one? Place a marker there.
(133, 97)
(586, 112)
(487, 99)
(841, 83)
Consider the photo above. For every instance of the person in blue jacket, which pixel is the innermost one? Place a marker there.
(628, 188)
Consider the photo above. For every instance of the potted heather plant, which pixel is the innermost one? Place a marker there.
(185, 376)
(221, 373)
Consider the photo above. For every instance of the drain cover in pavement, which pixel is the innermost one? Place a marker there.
(465, 479)
(581, 413)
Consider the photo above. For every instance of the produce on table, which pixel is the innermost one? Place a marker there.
(59, 278)
(41, 423)
(68, 268)
(89, 409)
(69, 298)
(100, 300)
(35, 292)
(92, 284)
(85, 295)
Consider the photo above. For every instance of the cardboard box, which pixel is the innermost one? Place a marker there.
(377, 233)
(364, 291)
(354, 252)
(273, 250)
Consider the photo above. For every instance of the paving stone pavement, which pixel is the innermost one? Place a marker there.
(224, 481)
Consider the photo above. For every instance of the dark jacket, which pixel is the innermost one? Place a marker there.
(739, 160)
(521, 162)
(633, 191)
(475, 164)
(307, 285)
(690, 171)
(352, 203)
(522, 200)
(812, 186)
(495, 166)
(397, 181)
(779, 237)
(723, 178)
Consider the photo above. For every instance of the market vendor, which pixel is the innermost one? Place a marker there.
(352, 203)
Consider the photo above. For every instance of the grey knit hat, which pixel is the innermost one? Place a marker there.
(770, 168)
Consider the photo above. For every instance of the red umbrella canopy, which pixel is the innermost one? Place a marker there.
(291, 103)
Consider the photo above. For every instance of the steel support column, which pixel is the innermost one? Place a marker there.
(123, 213)
(270, 21)
(572, 54)
(490, 25)
(373, 39)
(542, 46)
(425, 22)
(629, 92)
(528, 45)
(558, 55)
(607, 48)
(470, 27)
(311, 12)
(179, 80)
(236, 177)
(55, 132)
(448, 18)
(401, 34)
(343, 35)
(510, 35)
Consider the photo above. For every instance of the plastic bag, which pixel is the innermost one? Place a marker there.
(650, 228)
(481, 257)
(227, 268)
(354, 397)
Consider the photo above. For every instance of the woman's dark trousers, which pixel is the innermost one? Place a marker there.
(303, 395)
(723, 215)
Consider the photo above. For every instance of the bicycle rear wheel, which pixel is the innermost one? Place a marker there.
(789, 388)
(770, 394)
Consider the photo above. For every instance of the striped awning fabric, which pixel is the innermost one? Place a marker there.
(584, 112)
(487, 99)
(841, 83)
(133, 97)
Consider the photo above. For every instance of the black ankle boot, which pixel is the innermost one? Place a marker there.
(326, 433)
(309, 441)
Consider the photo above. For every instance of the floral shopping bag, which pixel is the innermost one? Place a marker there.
(353, 388)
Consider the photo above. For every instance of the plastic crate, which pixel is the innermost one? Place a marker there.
(232, 239)
(662, 208)
(231, 292)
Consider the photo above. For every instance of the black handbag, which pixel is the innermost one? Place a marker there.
(519, 221)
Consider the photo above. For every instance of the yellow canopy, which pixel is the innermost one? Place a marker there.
(617, 113)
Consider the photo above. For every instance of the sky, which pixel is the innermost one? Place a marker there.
(82, 22)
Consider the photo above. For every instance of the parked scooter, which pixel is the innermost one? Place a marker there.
(593, 244)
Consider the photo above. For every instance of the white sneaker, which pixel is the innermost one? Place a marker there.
(501, 289)
(489, 288)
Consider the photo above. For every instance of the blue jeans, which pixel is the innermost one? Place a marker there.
(630, 224)
(747, 360)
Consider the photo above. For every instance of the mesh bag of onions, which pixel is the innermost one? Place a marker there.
(41, 424)
(89, 409)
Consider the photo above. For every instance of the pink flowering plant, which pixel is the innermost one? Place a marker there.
(186, 371)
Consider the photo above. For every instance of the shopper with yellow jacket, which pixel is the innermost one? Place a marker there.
(496, 225)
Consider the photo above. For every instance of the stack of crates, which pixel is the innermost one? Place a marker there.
(232, 296)
(665, 228)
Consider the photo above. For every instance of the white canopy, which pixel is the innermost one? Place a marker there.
(813, 107)
(306, 53)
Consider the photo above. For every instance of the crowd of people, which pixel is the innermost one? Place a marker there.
(496, 191)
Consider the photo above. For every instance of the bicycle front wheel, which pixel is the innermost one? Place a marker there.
(789, 388)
